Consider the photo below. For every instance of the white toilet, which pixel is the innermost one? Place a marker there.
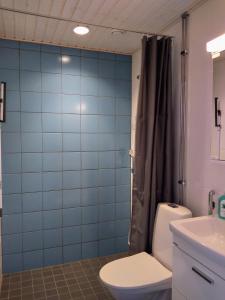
(143, 276)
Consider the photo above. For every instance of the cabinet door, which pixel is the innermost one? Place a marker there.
(194, 280)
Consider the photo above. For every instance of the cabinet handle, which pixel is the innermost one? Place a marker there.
(202, 275)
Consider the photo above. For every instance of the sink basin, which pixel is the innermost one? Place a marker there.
(203, 237)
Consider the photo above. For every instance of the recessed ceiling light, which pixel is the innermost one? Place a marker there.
(81, 30)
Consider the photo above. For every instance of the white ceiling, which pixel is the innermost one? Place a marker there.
(137, 15)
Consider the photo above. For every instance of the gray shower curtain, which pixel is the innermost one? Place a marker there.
(154, 146)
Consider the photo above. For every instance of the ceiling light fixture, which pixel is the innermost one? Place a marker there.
(81, 30)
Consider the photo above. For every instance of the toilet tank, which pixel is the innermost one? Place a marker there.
(162, 238)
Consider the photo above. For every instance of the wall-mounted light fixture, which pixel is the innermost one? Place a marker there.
(2, 101)
(216, 46)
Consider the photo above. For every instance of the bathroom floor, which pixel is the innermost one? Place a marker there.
(77, 280)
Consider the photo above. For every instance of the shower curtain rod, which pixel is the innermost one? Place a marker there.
(79, 22)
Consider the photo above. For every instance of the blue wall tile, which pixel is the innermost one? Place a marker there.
(11, 223)
(89, 196)
(106, 230)
(52, 142)
(106, 194)
(89, 250)
(13, 263)
(51, 82)
(30, 81)
(30, 46)
(32, 221)
(70, 123)
(12, 244)
(89, 86)
(9, 44)
(122, 227)
(89, 214)
(50, 63)
(71, 252)
(89, 178)
(106, 69)
(89, 104)
(13, 101)
(51, 102)
(50, 48)
(52, 238)
(31, 162)
(122, 244)
(31, 142)
(71, 198)
(123, 106)
(53, 256)
(90, 232)
(89, 123)
(71, 235)
(107, 247)
(31, 122)
(31, 182)
(71, 161)
(33, 259)
(71, 216)
(51, 122)
(89, 67)
(11, 163)
(32, 240)
(71, 104)
(52, 161)
(13, 122)
(12, 204)
(32, 202)
(71, 179)
(52, 200)
(70, 84)
(11, 77)
(106, 212)
(11, 142)
(106, 177)
(30, 60)
(52, 181)
(123, 210)
(89, 160)
(66, 168)
(71, 65)
(107, 159)
(9, 58)
(71, 142)
(106, 106)
(30, 102)
(11, 183)
(52, 219)
(89, 142)
(122, 193)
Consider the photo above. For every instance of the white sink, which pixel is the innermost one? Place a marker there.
(202, 238)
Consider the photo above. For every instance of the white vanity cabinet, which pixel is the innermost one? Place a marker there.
(193, 281)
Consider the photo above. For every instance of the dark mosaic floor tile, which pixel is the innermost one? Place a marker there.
(72, 281)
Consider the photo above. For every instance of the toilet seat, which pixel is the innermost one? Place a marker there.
(138, 271)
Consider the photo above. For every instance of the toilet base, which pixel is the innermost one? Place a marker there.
(157, 295)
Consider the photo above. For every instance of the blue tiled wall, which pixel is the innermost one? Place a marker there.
(66, 176)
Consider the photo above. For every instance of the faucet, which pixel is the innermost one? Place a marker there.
(211, 203)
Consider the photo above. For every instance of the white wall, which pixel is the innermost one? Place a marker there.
(203, 173)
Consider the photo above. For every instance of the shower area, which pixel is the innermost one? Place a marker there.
(65, 154)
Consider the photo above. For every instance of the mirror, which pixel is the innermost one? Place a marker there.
(218, 107)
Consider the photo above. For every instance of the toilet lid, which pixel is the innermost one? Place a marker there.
(135, 271)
